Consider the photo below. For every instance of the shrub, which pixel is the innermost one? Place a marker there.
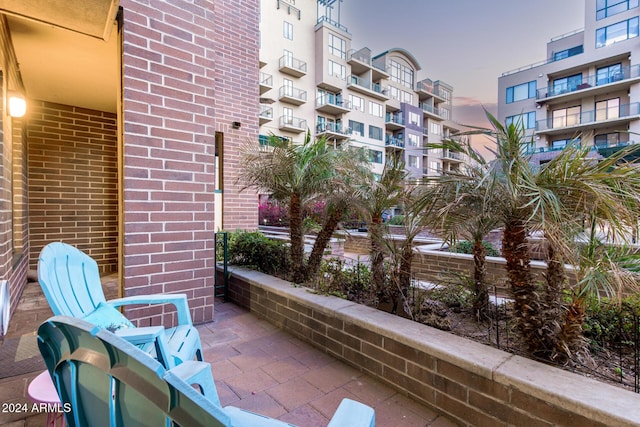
(607, 322)
(464, 247)
(351, 282)
(397, 220)
(254, 250)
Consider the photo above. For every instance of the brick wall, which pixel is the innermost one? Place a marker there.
(72, 163)
(190, 69)
(471, 383)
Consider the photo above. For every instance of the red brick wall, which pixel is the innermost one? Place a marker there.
(73, 195)
(190, 69)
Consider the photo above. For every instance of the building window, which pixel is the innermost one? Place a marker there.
(526, 119)
(357, 128)
(401, 74)
(337, 46)
(608, 109)
(607, 140)
(566, 117)
(617, 32)
(412, 140)
(605, 8)
(414, 118)
(375, 133)
(444, 113)
(375, 109)
(559, 144)
(435, 166)
(375, 156)
(413, 162)
(577, 50)
(567, 84)
(337, 70)
(609, 74)
(435, 128)
(357, 103)
(521, 91)
(287, 30)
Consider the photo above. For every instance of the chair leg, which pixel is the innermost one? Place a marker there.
(198, 373)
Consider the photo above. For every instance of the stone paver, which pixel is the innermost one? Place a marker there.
(256, 367)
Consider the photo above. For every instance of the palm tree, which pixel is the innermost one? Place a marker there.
(295, 175)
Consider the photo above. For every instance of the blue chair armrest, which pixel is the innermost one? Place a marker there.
(178, 300)
(198, 373)
(149, 336)
(353, 414)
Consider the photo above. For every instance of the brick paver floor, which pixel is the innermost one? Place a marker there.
(256, 366)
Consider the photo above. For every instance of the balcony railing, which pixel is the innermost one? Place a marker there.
(266, 79)
(394, 118)
(291, 65)
(367, 84)
(429, 109)
(288, 6)
(428, 88)
(332, 127)
(331, 99)
(589, 82)
(289, 122)
(585, 117)
(362, 55)
(392, 141)
(537, 150)
(451, 155)
(294, 94)
(266, 111)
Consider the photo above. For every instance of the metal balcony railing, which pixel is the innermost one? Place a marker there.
(266, 79)
(294, 63)
(331, 99)
(394, 118)
(292, 92)
(333, 128)
(367, 84)
(393, 141)
(429, 108)
(266, 111)
(586, 117)
(295, 122)
(625, 73)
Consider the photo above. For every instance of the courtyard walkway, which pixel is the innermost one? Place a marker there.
(256, 366)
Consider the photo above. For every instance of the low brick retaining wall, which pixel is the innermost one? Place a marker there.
(469, 382)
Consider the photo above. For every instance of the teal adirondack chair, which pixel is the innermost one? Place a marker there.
(71, 283)
(103, 380)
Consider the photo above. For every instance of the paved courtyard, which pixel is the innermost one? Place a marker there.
(256, 367)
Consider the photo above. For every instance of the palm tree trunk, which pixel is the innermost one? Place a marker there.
(322, 240)
(571, 341)
(555, 277)
(480, 291)
(296, 239)
(526, 305)
(377, 255)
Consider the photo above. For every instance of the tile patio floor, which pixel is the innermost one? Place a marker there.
(256, 367)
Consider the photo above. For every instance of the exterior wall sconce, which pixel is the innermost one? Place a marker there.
(17, 105)
(236, 125)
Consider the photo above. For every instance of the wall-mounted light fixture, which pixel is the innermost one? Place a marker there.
(236, 125)
(17, 104)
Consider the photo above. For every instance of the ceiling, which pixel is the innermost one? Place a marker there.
(67, 50)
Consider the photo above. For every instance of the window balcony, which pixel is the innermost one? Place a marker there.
(292, 124)
(332, 104)
(394, 121)
(426, 90)
(333, 130)
(266, 114)
(452, 155)
(430, 110)
(393, 142)
(292, 66)
(589, 86)
(266, 82)
(589, 119)
(366, 87)
(292, 95)
(289, 8)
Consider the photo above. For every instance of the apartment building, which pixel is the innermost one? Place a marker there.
(587, 88)
(313, 78)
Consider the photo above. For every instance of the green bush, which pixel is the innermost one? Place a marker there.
(607, 322)
(464, 247)
(350, 282)
(255, 250)
(397, 220)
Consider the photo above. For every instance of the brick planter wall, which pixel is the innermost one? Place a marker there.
(469, 382)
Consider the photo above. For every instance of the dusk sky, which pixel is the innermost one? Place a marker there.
(465, 43)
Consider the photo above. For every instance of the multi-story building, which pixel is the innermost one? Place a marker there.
(587, 88)
(312, 78)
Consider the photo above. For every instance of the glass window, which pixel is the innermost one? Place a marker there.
(435, 128)
(435, 166)
(414, 118)
(521, 91)
(607, 139)
(412, 140)
(357, 103)
(337, 70)
(526, 119)
(287, 30)
(375, 109)
(413, 162)
(566, 84)
(375, 133)
(609, 74)
(337, 46)
(357, 128)
(617, 32)
(401, 73)
(568, 52)
(608, 109)
(375, 156)
(605, 8)
(566, 117)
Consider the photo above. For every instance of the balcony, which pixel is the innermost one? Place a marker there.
(589, 119)
(292, 66)
(289, 8)
(266, 82)
(452, 156)
(292, 124)
(332, 104)
(292, 95)
(426, 90)
(266, 114)
(360, 61)
(590, 86)
(394, 121)
(430, 111)
(393, 142)
(333, 130)
(366, 87)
